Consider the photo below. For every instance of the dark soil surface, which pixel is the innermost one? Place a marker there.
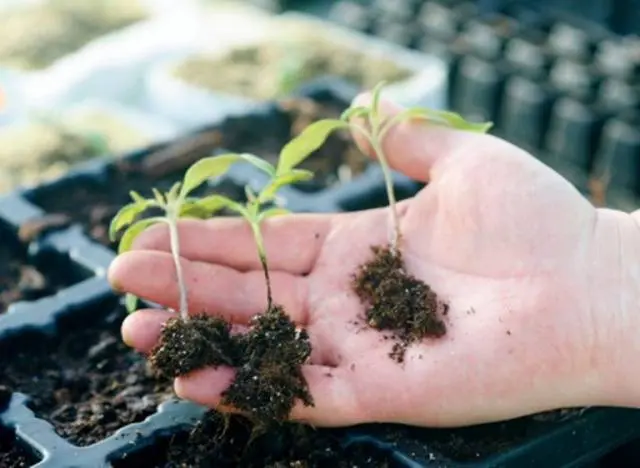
(12, 454)
(20, 281)
(85, 381)
(268, 359)
(485, 440)
(398, 302)
(94, 203)
(221, 444)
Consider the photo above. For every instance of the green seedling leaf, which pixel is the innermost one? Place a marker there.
(291, 177)
(351, 112)
(375, 99)
(206, 168)
(192, 210)
(126, 216)
(449, 119)
(215, 203)
(251, 196)
(272, 212)
(158, 196)
(173, 192)
(130, 303)
(309, 140)
(260, 163)
(135, 196)
(134, 231)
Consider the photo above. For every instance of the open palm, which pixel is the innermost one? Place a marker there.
(499, 236)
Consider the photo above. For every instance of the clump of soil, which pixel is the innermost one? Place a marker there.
(84, 380)
(229, 441)
(268, 359)
(186, 346)
(93, 203)
(12, 454)
(269, 379)
(398, 302)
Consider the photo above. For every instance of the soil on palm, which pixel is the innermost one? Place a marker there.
(12, 454)
(269, 380)
(84, 380)
(268, 360)
(221, 442)
(188, 345)
(92, 203)
(397, 302)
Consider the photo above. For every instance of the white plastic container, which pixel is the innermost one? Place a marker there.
(112, 66)
(145, 130)
(190, 106)
(12, 100)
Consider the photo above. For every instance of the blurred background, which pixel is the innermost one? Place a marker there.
(80, 79)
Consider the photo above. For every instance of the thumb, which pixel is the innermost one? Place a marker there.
(415, 147)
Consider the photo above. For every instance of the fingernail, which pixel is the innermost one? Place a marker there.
(126, 337)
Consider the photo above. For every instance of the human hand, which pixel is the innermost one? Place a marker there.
(510, 245)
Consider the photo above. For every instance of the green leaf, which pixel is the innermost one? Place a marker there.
(126, 216)
(249, 194)
(206, 168)
(135, 196)
(449, 119)
(260, 163)
(288, 178)
(309, 140)
(272, 212)
(173, 192)
(351, 112)
(133, 231)
(214, 203)
(130, 303)
(159, 197)
(192, 210)
(375, 99)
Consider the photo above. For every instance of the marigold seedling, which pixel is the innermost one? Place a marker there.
(373, 131)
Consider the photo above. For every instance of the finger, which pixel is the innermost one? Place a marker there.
(292, 243)
(335, 402)
(141, 330)
(416, 148)
(211, 289)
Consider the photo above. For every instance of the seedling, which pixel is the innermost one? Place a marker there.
(374, 130)
(177, 203)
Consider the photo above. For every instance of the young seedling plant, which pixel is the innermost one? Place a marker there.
(192, 342)
(395, 300)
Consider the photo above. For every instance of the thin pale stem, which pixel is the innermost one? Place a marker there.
(175, 252)
(257, 234)
(394, 221)
(394, 228)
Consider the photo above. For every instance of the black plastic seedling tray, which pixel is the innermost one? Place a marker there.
(558, 77)
(89, 304)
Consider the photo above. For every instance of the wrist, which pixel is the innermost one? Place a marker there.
(615, 293)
